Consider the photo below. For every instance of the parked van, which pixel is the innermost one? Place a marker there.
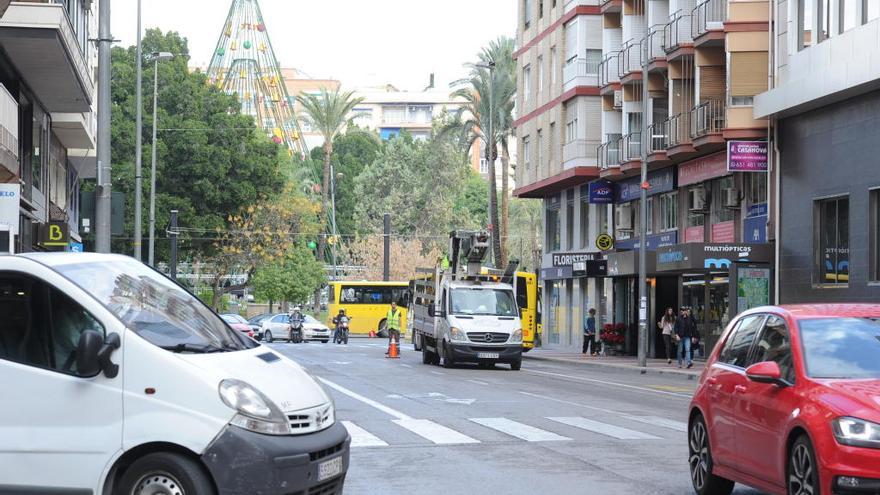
(115, 380)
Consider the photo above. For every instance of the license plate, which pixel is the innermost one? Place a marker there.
(487, 355)
(329, 469)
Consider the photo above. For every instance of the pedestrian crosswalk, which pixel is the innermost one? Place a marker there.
(549, 429)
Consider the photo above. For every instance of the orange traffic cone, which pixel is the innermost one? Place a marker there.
(393, 351)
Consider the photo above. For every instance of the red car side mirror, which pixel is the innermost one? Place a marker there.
(766, 372)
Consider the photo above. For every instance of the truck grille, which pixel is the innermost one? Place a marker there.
(310, 420)
(488, 337)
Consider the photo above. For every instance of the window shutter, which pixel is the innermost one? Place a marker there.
(571, 39)
(712, 82)
(748, 73)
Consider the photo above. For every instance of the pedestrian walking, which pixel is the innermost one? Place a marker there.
(590, 332)
(696, 350)
(667, 325)
(685, 330)
(392, 324)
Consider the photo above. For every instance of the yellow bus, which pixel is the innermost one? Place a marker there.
(367, 303)
(528, 299)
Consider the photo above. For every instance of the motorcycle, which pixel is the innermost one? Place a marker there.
(341, 334)
(296, 332)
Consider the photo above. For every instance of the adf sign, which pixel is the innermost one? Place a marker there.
(55, 236)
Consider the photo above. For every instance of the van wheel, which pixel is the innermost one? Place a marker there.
(268, 337)
(701, 464)
(447, 358)
(516, 365)
(165, 473)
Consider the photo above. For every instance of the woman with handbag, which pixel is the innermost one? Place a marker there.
(667, 325)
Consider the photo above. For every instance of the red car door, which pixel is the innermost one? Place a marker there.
(763, 409)
(725, 381)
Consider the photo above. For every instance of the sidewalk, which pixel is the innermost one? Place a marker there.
(617, 362)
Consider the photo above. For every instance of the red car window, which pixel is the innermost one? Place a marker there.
(774, 345)
(736, 348)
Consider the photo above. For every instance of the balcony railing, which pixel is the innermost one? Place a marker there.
(679, 129)
(659, 132)
(608, 71)
(708, 118)
(678, 31)
(608, 153)
(708, 15)
(629, 60)
(580, 72)
(653, 43)
(631, 147)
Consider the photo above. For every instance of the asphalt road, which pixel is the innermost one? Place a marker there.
(549, 428)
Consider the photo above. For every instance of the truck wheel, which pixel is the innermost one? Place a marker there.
(166, 473)
(426, 356)
(516, 365)
(447, 359)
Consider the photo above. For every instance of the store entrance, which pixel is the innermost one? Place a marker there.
(665, 296)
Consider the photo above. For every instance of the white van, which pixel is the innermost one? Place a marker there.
(115, 380)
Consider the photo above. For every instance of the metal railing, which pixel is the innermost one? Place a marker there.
(709, 117)
(631, 147)
(629, 60)
(608, 71)
(608, 153)
(659, 132)
(679, 129)
(580, 72)
(653, 44)
(708, 14)
(678, 31)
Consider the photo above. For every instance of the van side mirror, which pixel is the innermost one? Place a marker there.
(87, 349)
(766, 372)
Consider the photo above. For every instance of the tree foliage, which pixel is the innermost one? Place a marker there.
(293, 277)
(526, 232)
(406, 256)
(471, 206)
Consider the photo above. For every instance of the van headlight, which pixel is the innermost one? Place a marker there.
(457, 335)
(856, 432)
(516, 336)
(255, 411)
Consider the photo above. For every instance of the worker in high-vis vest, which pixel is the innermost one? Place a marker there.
(392, 324)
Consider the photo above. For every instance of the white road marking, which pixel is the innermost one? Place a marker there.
(662, 422)
(438, 372)
(361, 437)
(406, 366)
(615, 384)
(478, 382)
(519, 430)
(604, 429)
(370, 402)
(466, 402)
(434, 432)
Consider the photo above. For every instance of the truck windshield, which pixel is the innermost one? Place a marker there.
(480, 301)
(154, 307)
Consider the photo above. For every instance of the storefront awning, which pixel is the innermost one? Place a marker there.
(716, 256)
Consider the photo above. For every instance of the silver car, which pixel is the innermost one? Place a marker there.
(276, 328)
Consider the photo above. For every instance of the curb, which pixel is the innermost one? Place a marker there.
(688, 375)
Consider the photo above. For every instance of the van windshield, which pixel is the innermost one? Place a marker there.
(480, 301)
(154, 307)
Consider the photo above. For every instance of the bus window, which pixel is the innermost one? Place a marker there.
(522, 293)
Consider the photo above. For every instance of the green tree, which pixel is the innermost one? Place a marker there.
(471, 205)
(526, 231)
(293, 278)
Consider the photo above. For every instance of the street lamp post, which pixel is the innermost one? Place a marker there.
(333, 178)
(155, 58)
(138, 144)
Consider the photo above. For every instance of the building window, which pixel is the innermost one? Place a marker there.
(805, 24)
(650, 216)
(747, 77)
(669, 211)
(585, 216)
(756, 188)
(871, 10)
(37, 148)
(552, 142)
(527, 13)
(720, 211)
(540, 9)
(554, 225)
(527, 152)
(832, 234)
(874, 233)
(827, 18)
(553, 65)
(540, 148)
(527, 82)
(540, 75)
(849, 14)
(484, 166)
(571, 123)
(569, 219)
(593, 59)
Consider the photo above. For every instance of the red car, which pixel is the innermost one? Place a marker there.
(789, 403)
(237, 322)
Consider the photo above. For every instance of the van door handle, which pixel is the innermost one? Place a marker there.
(740, 389)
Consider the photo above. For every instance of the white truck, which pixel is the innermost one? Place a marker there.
(460, 315)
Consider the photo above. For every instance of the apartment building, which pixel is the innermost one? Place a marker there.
(47, 121)
(299, 83)
(825, 107)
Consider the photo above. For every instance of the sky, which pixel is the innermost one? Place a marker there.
(360, 42)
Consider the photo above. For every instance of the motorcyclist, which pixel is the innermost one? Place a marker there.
(338, 320)
(296, 320)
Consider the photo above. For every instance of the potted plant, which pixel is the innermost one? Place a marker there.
(613, 335)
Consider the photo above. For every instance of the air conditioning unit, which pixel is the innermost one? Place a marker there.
(623, 218)
(730, 197)
(697, 200)
(618, 99)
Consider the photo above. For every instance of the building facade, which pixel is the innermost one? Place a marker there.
(825, 105)
(686, 73)
(47, 121)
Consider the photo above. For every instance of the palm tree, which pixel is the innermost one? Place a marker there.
(329, 113)
(475, 90)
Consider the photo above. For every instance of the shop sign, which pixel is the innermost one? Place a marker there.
(590, 269)
(10, 199)
(715, 256)
(755, 224)
(626, 263)
(55, 236)
(654, 241)
(660, 181)
(601, 192)
(556, 273)
(604, 242)
(75, 247)
(695, 234)
(702, 169)
(724, 231)
(747, 156)
(569, 259)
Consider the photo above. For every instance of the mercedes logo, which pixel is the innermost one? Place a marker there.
(489, 337)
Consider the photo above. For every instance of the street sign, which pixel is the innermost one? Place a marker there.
(604, 242)
(54, 236)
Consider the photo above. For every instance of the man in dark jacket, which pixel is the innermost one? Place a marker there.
(685, 330)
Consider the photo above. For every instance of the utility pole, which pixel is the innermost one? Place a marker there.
(172, 233)
(102, 199)
(138, 143)
(155, 58)
(643, 226)
(386, 265)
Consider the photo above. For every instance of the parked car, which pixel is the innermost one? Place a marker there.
(134, 386)
(237, 322)
(315, 330)
(276, 328)
(256, 324)
(789, 403)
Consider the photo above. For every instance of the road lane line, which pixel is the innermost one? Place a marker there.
(361, 437)
(434, 432)
(478, 382)
(615, 384)
(519, 430)
(370, 402)
(662, 422)
(438, 372)
(604, 429)
(406, 365)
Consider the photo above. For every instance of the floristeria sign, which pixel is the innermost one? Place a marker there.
(747, 156)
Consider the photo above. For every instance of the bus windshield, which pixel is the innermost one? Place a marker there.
(480, 301)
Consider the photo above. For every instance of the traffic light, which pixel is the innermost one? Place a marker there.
(313, 245)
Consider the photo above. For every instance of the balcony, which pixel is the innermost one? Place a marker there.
(610, 6)
(573, 4)
(9, 164)
(653, 53)
(707, 23)
(659, 133)
(678, 41)
(580, 72)
(629, 64)
(41, 43)
(708, 120)
(608, 73)
(579, 153)
(75, 130)
(631, 152)
(608, 156)
(679, 143)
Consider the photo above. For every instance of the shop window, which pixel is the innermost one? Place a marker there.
(554, 315)
(806, 36)
(874, 239)
(553, 228)
(669, 211)
(832, 238)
